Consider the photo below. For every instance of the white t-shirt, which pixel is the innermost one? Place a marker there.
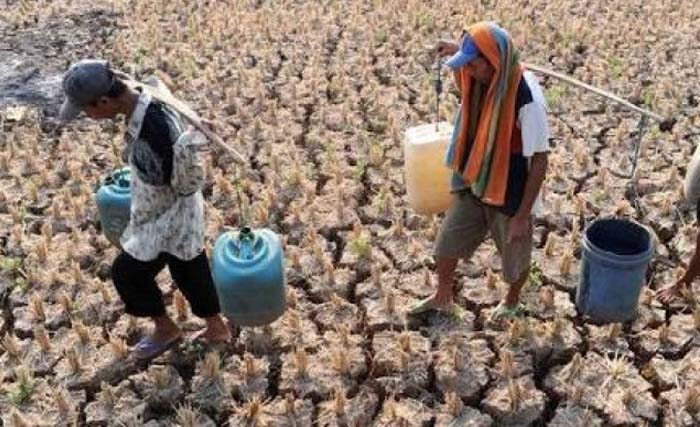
(532, 120)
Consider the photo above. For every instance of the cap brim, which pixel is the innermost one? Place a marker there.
(69, 111)
(460, 59)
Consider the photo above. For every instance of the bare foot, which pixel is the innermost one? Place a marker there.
(165, 330)
(442, 301)
(162, 336)
(438, 302)
(217, 331)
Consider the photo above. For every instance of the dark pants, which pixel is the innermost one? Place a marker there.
(136, 284)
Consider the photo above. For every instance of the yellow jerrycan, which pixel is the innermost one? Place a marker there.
(426, 175)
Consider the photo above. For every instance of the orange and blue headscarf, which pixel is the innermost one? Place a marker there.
(481, 155)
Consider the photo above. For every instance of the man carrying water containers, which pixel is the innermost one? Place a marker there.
(499, 156)
(166, 226)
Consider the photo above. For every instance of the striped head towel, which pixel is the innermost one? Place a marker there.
(483, 160)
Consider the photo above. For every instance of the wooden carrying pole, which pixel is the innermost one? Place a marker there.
(601, 92)
(169, 99)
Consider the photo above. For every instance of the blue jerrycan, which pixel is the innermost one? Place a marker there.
(248, 272)
(114, 204)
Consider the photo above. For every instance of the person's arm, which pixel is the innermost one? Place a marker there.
(532, 119)
(693, 270)
(520, 222)
(445, 48)
(535, 178)
(188, 173)
(668, 293)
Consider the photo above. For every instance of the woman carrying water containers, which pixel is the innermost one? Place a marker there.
(166, 224)
(498, 153)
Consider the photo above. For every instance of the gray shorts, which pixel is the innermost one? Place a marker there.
(467, 224)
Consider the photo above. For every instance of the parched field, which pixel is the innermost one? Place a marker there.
(317, 94)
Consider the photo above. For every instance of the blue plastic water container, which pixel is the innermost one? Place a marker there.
(248, 271)
(616, 255)
(114, 204)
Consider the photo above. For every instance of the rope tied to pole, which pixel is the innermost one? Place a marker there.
(437, 84)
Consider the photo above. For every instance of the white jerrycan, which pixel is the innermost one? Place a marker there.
(427, 177)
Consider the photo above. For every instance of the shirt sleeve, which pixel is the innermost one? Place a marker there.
(188, 173)
(533, 120)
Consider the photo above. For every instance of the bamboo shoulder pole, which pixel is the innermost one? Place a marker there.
(166, 97)
(568, 79)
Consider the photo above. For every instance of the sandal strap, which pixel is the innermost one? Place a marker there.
(502, 311)
(457, 312)
(148, 348)
(422, 306)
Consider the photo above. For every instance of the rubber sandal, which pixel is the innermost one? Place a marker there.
(457, 313)
(423, 306)
(503, 312)
(147, 348)
(199, 339)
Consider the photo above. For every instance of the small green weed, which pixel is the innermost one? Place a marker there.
(24, 391)
(616, 66)
(10, 264)
(361, 247)
(554, 94)
(536, 277)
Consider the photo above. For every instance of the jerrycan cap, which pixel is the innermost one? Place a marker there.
(246, 234)
(118, 182)
(248, 244)
(120, 178)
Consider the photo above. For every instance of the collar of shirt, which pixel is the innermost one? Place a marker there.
(136, 119)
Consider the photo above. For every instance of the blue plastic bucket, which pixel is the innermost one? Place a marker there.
(616, 255)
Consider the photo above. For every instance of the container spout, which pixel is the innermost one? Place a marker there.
(246, 234)
(120, 178)
(246, 239)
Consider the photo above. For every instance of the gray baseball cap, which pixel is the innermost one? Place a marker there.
(84, 82)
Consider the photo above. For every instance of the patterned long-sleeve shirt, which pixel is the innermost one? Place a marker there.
(167, 206)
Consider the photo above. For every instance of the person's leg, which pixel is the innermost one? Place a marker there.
(514, 287)
(195, 281)
(515, 256)
(137, 288)
(445, 271)
(463, 230)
